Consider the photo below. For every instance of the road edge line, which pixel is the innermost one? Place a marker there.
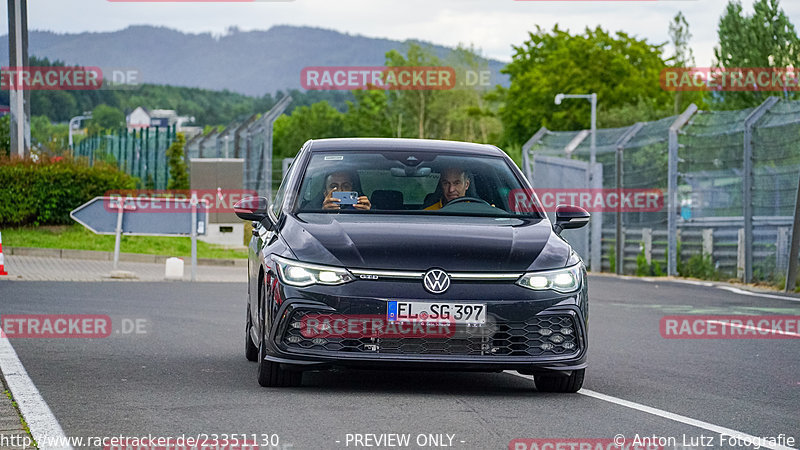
(667, 415)
(709, 284)
(41, 422)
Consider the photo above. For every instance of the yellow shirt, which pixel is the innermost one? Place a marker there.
(435, 206)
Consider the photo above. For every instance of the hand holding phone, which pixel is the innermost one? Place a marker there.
(346, 197)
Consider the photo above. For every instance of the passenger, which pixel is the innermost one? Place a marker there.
(342, 181)
(454, 183)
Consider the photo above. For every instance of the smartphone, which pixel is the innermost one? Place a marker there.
(346, 197)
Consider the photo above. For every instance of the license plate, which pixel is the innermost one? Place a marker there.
(458, 313)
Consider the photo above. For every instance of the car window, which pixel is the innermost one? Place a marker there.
(280, 195)
(413, 189)
(401, 182)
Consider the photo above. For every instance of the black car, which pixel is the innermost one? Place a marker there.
(404, 253)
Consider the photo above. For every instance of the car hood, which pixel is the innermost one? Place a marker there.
(407, 242)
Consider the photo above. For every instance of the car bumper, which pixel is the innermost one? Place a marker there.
(511, 339)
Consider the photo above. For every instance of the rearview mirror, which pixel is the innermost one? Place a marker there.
(252, 208)
(569, 217)
(410, 171)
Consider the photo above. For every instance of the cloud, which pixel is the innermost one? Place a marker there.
(491, 25)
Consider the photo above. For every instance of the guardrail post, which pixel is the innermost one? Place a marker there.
(782, 249)
(708, 241)
(647, 241)
(740, 254)
(747, 183)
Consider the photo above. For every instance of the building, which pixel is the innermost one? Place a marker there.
(141, 117)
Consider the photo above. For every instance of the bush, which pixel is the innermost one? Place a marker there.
(44, 192)
(699, 266)
(643, 269)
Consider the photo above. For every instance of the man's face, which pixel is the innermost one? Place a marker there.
(340, 181)
(454, 184)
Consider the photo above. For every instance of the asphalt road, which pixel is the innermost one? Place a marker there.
(185, 373)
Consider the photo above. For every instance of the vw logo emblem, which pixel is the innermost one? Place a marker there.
(436, 281)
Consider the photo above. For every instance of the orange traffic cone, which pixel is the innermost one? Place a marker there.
(2, 266)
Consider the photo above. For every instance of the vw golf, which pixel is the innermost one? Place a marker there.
(404, 253)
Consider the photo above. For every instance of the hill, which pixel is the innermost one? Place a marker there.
(253, 63)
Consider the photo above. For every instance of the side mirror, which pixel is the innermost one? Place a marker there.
(569, 217)
(252, 208)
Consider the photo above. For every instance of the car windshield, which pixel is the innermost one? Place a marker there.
(414, 183)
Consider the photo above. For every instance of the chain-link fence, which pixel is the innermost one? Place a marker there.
(734, 184)
(139, 153)
(143, 153)
(250, 140)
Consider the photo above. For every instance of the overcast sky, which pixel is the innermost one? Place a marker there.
(491, 25)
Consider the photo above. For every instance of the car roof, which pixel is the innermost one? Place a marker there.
(402, 144)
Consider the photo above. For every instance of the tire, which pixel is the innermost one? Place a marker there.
(271, 374)
(570, 384)
(250, 349)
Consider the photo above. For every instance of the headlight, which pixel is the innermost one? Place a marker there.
(561, 280)
(296, 273)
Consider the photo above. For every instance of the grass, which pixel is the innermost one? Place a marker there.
(21, 419)
(76, 237)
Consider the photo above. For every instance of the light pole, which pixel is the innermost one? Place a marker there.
(72, 123)
(596, 232)
(19, 96)
(593, 99)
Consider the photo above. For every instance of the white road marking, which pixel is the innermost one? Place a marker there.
(757, 294)
(671, 416)
(761, 330)
(41, 421)
(735, 290)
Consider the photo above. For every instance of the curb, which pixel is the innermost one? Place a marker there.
(64, 253)
(11, 427)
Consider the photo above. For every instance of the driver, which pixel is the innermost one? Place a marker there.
(454, 183)
(342, 181)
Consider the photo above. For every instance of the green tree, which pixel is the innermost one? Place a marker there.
(5, 135)
(49, 137)
(460, 112)
(680, 36)
(106, 117)
(621, 69)
(765, 39)
(369, 115)
(178, 172)
(465, 111)
(317, 121)
(414, 105)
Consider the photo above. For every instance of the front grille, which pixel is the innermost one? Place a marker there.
(540, 336)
